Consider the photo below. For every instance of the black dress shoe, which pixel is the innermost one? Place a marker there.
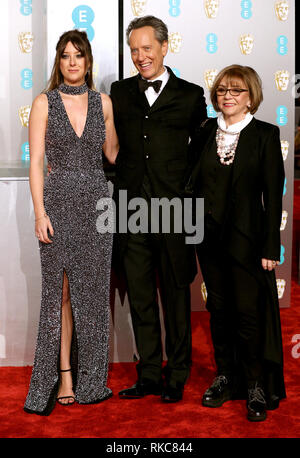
(172, 394)
(218, 393)
(141, 389)
(256, 404)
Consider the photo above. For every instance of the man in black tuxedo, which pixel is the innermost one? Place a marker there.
(155, 124)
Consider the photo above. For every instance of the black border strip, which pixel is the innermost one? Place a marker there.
(121, 44)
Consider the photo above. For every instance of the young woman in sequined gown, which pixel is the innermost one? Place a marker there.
(72, 124)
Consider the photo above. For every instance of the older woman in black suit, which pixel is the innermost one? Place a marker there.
(240, 174)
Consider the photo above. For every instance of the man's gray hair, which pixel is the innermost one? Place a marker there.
(160, 28)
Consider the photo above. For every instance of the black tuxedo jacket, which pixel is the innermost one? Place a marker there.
(156, 139)
(254, 204)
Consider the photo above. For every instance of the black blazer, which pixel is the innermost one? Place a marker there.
(255, 200)
(251, 229)
(157, 137)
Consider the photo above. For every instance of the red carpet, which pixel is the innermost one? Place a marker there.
(149, 418)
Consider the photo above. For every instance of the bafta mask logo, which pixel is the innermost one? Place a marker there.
(283, 220)
(284, 149)
(280, 287)
(25, 40)
(209, 77)
(138, 7)
(282, 10)
(282, 78)
(24, 115)
(95, 71)
(211, 8)
(204, 291)
(175, 42)
(246, 43)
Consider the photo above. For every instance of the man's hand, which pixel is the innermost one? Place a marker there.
(268, 264)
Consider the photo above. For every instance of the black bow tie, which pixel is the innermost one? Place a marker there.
(144, 84)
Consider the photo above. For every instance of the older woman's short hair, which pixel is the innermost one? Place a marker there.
(248, 76)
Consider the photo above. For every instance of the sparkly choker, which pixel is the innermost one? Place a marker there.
(73, 90)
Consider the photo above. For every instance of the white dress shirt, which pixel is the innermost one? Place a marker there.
(150, 93)
(233, 130)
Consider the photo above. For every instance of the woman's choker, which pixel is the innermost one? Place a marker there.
(73, 90)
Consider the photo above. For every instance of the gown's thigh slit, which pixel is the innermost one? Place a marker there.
(72, 361)
(66, 320)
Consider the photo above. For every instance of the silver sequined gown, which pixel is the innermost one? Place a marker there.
(71, 192)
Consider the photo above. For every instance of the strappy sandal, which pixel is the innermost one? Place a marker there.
(65, 397)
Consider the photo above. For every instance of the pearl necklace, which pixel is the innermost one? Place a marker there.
(226, 153)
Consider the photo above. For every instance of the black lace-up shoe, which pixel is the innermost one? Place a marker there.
(256, 404)
(218, 393)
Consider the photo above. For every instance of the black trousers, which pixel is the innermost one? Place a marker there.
(146, 258)
(234, 300)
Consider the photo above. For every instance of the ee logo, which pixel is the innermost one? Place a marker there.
(282, 112)
(25, 152)
(26, 81)
(282, 42)
(26, 7)
(282, 251)
(83, 17)
(246, 12)
(174, 8)
(211, 40)
(284, 187)
(211, 112)
(176, 72)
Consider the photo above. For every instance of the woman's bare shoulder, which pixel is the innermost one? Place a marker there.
(40, 104)
(41, 100)
(105, 98)
(106, 104)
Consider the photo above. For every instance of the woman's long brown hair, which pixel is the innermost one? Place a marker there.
(80, 41)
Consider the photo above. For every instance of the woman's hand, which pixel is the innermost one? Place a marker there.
(42, 225)
(268, 264)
